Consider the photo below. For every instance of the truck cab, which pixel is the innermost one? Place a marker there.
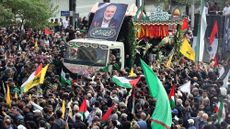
(86, 56)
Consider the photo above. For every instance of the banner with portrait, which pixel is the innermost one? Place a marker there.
(107, 21)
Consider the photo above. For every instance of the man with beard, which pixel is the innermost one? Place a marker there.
(108, 20)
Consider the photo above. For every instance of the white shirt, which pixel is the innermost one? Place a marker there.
(105, 24)
(226, 11)
(65, 23)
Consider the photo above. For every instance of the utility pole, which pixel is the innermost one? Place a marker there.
(72, 9)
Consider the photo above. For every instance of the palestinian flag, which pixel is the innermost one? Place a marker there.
(220, 110)
(172, 97)
(125, 82)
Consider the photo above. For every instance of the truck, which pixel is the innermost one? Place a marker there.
(85, 56)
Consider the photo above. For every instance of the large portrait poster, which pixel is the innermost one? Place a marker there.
(107, 21)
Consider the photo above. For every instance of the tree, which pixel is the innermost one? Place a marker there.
(5, 16)
(32, 13)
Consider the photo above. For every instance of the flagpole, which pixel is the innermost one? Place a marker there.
(192, 14)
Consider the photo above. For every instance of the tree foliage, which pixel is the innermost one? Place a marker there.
(31, 13)
(5, 15)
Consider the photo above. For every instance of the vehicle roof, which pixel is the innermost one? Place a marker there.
(98, 41)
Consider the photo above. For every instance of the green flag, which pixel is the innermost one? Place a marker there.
(161, 117)
(105, 68)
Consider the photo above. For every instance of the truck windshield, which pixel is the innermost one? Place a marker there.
(86, 54)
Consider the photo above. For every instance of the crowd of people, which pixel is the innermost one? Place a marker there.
(20, 55)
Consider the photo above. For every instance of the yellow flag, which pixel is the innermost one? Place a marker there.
(36, 80)
(16, 95)
(63, 109)
(170, 60)
(30, 97)
(43, 73)
(8, 99)
(132, 74)
(36, 44)
(187, 50)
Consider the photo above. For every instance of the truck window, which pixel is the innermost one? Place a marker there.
(87, 54)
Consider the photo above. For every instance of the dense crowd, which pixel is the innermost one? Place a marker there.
(22, 53)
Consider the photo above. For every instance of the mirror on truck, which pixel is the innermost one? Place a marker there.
(114, 58)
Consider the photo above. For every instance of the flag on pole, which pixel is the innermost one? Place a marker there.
(134, 82)
(187, 50)
(35, 78)
(16, 95)
(186, 88)
(30, 82)
(63, 109)
(220, 110)
(83, 106)
(140, 13)
(162, 116)
(172, 97)
(185, 24)
(168, 64)
(211, 46)
(224, 74)
(199, 46)
(213, 33)
(106, 116)
(121, 81)
(8, 98)
(43, 74)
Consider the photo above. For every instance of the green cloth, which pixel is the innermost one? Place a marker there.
(161, 117)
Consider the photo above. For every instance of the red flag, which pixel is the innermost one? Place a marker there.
(185, 24)
(135, 81)
(214, 32)
(106, 116)
(47, 31)
(83, 107)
